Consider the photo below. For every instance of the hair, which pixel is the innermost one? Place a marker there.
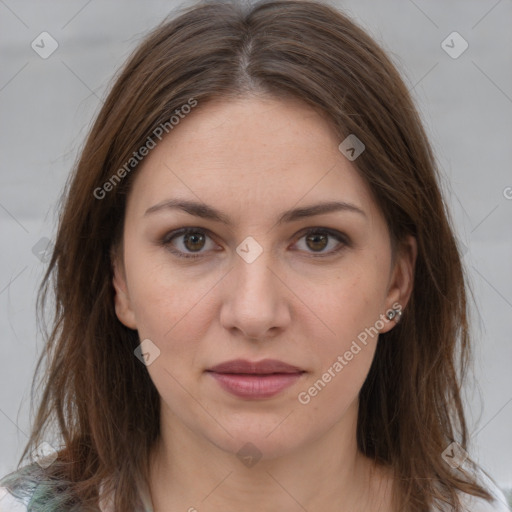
(101, 398)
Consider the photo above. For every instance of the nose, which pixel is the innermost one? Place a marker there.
(256, 302)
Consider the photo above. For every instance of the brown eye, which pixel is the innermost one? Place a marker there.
(322, 242)
(317, 242)
(194, 241)
(189, 243)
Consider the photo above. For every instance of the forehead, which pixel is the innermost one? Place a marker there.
(252, 153)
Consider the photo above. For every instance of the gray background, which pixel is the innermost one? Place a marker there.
(47, 106)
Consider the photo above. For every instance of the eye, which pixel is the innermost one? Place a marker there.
(193, 242)
(188, 242)
(317, 240)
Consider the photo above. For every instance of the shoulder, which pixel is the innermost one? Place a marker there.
(16, 489)
(8, 503)
(32, 488)
(24, 488)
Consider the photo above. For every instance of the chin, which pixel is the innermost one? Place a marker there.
(265, 440)
(251, 448)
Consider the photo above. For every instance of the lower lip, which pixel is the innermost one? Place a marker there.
(255, 386)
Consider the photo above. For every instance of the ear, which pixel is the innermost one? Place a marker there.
(402, 280)
(122, 303)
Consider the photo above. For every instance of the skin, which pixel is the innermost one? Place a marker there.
(253, 158)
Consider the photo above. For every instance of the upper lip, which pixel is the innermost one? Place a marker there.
(263, 367)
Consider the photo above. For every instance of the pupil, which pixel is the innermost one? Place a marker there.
(196, 239)
(317, 239)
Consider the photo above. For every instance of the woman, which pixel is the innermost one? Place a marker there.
(260, 302)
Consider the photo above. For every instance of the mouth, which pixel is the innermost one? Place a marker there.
(255, 380)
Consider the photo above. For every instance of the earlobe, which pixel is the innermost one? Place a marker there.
(123, 308)
(401, 283)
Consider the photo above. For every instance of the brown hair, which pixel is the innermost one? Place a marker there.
(101, 397)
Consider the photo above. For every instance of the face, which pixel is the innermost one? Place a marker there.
(249, 236)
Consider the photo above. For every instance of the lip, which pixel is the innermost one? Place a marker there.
(255, 379)
(263, 367)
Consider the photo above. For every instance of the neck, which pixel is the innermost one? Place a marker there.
(190, 473)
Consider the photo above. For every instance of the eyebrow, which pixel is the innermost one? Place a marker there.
(208, 212)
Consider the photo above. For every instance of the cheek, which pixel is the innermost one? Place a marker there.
(175, 315)
(162, 296)
(348, 306)
(350, 302)
(344, 360)
(174, 318)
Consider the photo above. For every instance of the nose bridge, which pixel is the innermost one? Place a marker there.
(255, 278)
(255, 300)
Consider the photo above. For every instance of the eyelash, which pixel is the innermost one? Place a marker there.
(169, 237)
